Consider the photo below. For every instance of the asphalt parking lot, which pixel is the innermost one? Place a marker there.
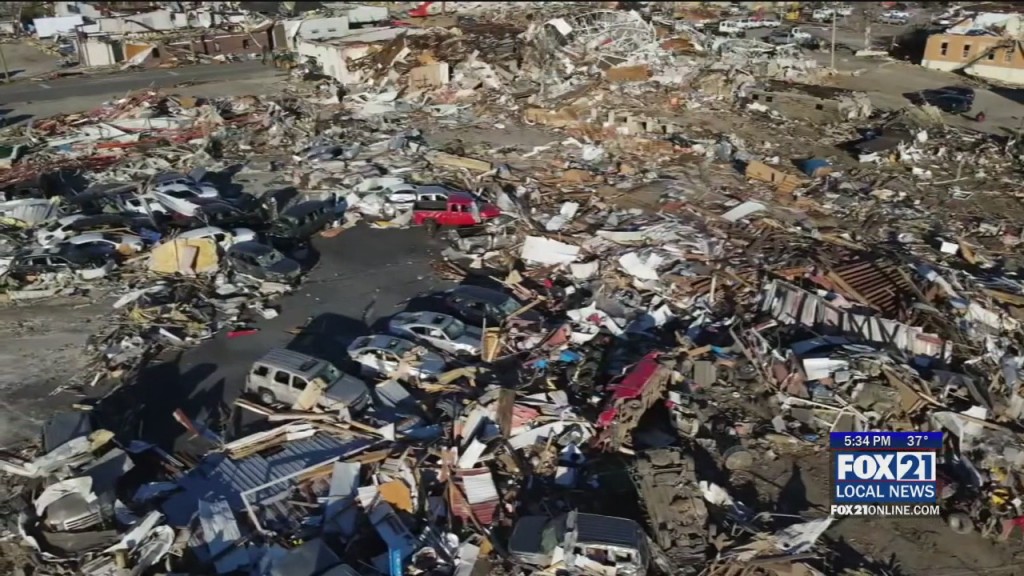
(360, 277)
(850, 35)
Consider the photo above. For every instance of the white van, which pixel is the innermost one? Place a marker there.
(822, 15)
(730, 28)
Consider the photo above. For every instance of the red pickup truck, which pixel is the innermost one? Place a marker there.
(631, 396)
(457, 210)
(424, 9)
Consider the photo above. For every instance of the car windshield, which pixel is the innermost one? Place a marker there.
(94, 255)
(270, 258)
(454, 329)
(509, 306)
(549, 537)
(398, 346)
(329, 373)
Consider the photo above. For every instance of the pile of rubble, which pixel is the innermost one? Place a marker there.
(649, 310)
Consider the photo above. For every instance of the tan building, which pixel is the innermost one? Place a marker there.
(992, 52)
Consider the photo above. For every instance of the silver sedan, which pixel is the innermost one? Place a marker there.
(106, 240)
(384, 355)
(441, 331)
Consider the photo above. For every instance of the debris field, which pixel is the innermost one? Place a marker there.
(716, 260)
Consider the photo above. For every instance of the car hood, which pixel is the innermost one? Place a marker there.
(488, 211)
(531, 315)
(286, 267)
(347, 390)
(525, 541)
(242, 235)
(431, 363)
(208, 191)
(181, 206)
(471, 335)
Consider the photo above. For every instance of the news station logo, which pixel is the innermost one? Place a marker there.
(884, 477)
(885, 473)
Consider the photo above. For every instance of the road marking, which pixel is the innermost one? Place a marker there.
(172, 73)
(45, 86)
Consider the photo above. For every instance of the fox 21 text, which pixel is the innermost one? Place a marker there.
(885, 510)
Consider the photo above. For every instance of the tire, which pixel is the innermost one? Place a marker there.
(960, 523)
(432, 227)
(726, 374)
(267, 397)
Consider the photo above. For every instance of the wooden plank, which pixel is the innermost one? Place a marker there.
(506, 405)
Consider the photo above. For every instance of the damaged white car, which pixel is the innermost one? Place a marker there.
(105, 241)
(389, 356)
(224, 238)
(441, 331)
(178, 197)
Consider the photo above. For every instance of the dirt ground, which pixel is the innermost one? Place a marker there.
(887, 81)
(799, 483)
(265, 84)
(43, 346)
(25, 60)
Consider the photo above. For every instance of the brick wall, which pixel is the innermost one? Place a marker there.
(239, 43)
(958, 49)
(991, 57)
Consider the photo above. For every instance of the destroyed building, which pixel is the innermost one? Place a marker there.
(644, 320)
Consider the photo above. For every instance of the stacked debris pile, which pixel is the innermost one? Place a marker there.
(183, 258)
(546, 61)
(649, 311)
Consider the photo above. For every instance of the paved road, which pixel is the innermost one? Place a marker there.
(361, 276)
(30, 91)
(846, 36)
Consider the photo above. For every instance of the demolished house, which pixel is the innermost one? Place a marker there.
(650, 312)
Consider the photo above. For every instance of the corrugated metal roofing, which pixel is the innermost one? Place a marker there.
(481, 493)
(479, 488)
(218, 476)
(484, 512)
(29, 210)
(597, 529)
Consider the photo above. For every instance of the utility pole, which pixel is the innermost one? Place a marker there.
(833, 39)
(3, 61)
